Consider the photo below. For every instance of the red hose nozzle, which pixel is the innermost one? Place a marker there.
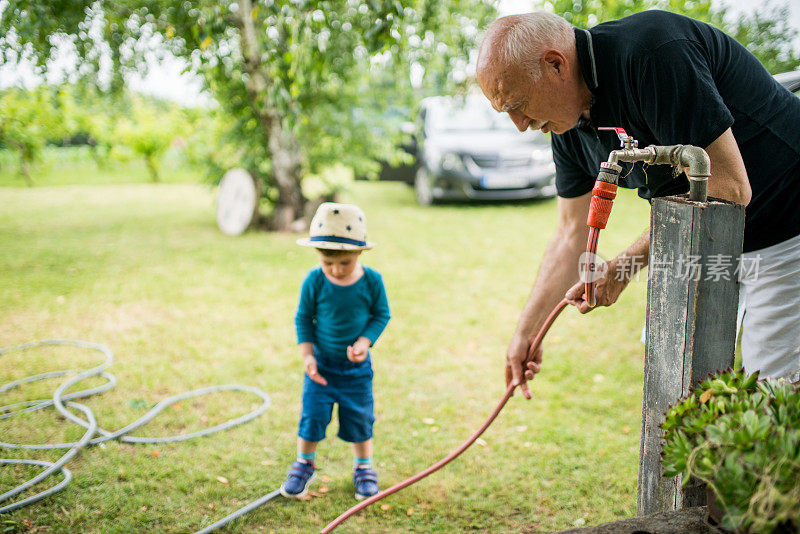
(603, 196)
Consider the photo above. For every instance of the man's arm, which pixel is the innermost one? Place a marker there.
(557, 272)
(728, 174)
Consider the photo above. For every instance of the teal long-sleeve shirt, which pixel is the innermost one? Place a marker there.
(332, 316)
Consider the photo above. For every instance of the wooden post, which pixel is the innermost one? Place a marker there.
(692, 297)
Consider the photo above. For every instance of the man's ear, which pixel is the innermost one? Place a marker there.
(556, 62)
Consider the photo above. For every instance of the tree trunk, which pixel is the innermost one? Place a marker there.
(24, 169)
(286, 170)
(94, 149)
(152, 168)
(281, 142)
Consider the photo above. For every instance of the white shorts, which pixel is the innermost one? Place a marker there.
(769, 310)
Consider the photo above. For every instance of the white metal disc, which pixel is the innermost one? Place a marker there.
(237, 200)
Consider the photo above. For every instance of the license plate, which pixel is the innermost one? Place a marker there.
(504, 181)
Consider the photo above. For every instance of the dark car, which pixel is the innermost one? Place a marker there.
(790, 80)
(465, 150)
(468, 151)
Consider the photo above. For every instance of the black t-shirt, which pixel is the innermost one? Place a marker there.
(668, 79)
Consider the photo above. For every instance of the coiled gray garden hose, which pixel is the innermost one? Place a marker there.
(63, 401)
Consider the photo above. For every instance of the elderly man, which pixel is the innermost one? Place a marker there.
(667, 79)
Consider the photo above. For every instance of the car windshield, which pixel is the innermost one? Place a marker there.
(466, 115)
(790, 80)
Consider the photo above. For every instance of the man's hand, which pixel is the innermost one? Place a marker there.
(606, 290)
(357, 352)
(556, 274)
(518, 369)
(310, 366)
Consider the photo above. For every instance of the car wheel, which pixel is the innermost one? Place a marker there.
(422, 187)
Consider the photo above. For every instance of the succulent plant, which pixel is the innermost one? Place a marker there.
(741, 436)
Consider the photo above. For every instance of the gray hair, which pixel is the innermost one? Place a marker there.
(520, 40)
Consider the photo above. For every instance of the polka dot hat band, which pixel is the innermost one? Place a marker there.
(338, 227)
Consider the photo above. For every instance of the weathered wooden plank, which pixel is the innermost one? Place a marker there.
(692, 297)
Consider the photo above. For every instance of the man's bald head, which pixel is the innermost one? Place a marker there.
(517, 43)
(528, 67)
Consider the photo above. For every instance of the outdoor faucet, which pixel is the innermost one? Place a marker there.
(694, 159)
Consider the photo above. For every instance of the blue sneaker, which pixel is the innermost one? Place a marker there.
(298, 479)
(366, 481)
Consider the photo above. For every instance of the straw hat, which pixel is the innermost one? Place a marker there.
(337, 227)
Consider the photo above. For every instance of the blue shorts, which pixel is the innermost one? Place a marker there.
(349, 386)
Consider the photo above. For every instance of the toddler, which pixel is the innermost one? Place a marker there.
(342, 311)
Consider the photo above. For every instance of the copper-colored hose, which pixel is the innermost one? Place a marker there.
(590, 271)
(446, 460)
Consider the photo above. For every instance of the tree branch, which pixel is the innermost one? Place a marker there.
(257, 82)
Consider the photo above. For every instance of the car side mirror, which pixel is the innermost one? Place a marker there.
(408, 128)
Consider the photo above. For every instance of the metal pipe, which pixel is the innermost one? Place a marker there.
(696, 162)
(698, 166)
(694, 159)
(631, 155)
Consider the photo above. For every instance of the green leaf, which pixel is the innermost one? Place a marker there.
(718, 435)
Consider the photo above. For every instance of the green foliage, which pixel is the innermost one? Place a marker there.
(318, 80)
(742, 437)
(770, 37)
(767, 33)
(149, 131)
(28, 118)
(209, 146)
(587, 13)
(120, 125)
(87, 111)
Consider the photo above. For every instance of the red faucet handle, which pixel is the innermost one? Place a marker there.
(623, 136)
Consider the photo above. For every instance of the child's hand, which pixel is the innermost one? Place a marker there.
(357, 352)
(310, 365)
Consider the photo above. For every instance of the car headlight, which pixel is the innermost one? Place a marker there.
(541, 155)
(451, 162)
(433, 157)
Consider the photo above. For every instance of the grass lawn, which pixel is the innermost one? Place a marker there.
(142, 269)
